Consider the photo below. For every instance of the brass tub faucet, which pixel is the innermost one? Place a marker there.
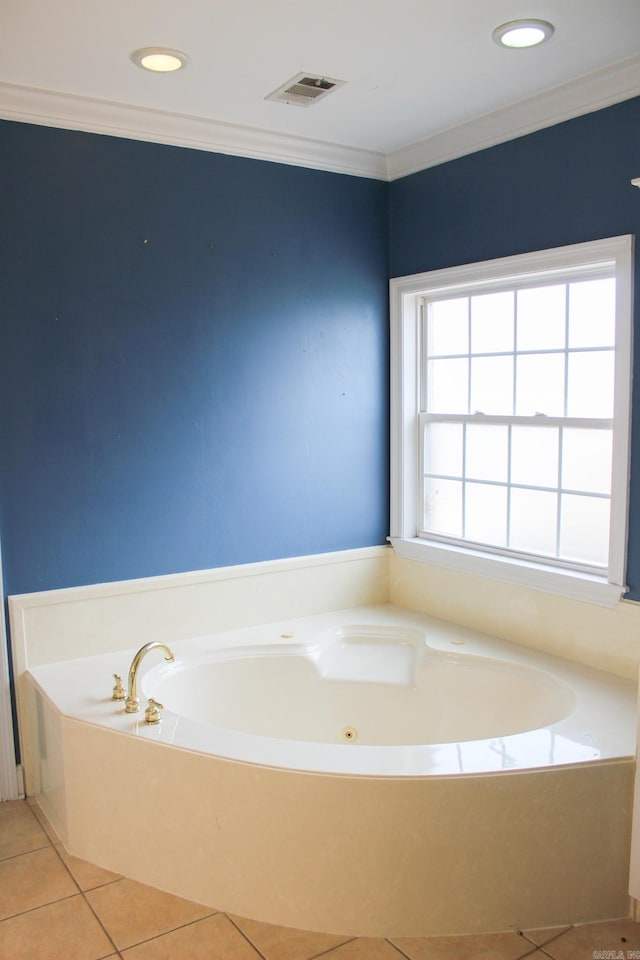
(132, 704)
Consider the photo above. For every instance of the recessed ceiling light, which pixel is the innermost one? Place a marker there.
(159, 59)
(522, 33)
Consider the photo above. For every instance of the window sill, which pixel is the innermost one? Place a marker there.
(565, 583)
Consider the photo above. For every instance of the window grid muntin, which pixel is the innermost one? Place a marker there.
(427, 358)
(520, 353)
(566, 344)
(561, 423)
(566, 491)
(559, 504)
(464, 473)
(540, 422)
(509, 421)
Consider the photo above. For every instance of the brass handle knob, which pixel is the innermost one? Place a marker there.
(119, 692)
(152, 713)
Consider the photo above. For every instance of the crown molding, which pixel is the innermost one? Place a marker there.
(593, 91)
(70, 112)
(583, 95)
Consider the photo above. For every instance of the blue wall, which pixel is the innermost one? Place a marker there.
(218, 394)
(566, 184)
(193, 363)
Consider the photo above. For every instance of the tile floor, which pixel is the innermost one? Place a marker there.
(56, 907)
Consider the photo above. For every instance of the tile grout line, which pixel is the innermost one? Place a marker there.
(325, 953)
(101, 886)
(82, 894)
(39, 906)
(314, 956)
(158, 936)
(25, 853)
(246, 936)
(556, 936)
(541, 946)
(389, 940)
(521, 956)
(106, 932)
(534, 947)
(530, 953)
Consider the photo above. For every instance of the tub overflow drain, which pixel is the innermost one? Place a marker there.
(349, 734)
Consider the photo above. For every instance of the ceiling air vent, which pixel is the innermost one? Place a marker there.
(304, 89)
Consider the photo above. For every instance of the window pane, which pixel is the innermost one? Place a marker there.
(486, 513)
(592, 313)
(443, 507)
(492, 385)
(533, 521)
(487, 452)
(447, 386)
(443, 449)
(542, 318)
(584, 529)
(534, 456)
(448, 327)
(492, 322)
(586, 460)
(540, 385)
(590, 388)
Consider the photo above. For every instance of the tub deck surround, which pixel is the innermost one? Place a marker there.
(349, 838)
(601, 637)
(423, 697)
(54, 625)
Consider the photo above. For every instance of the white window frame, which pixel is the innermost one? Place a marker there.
(406, 296)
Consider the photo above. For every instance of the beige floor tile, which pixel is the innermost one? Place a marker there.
(285, 943)
(86, 874)
(32, 880)
(614, 936)
(491, 946)
(132, 912)
(20, 831)
(66, 930)
(214, 938)
(364, 948)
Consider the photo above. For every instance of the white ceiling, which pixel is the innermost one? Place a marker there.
(423, 79)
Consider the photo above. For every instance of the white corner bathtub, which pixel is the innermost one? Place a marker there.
(372, 772)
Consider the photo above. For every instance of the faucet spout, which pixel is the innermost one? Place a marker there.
(132, 704)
